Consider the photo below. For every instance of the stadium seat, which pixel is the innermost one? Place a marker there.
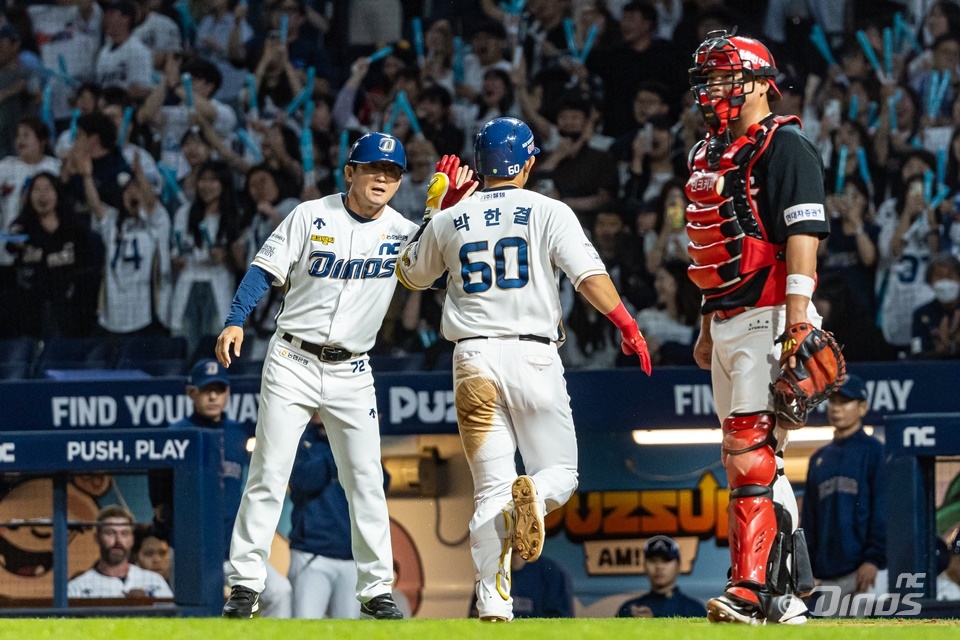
(76, 353)
(14, 370)
(141, 348)
(159, 367)
(206, 348)
(409, 362)
(16, 357)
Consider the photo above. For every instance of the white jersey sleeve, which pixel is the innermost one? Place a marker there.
(281, 250)
(502, 249)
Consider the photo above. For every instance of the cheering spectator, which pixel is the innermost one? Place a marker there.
(672, 231)
(848, 258)
(55, 274)
(905, 244)
(32, 157)
(137, 269)
(209, 248)
(170, 107)
(14, 77)
(96, 139)
(158, 32)
(86, 100)
(486, 53)
(669, 327)
(123, 60)
(585, 178)
(936, 325)
(222, 37)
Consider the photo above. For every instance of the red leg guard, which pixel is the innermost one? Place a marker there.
(751, 469)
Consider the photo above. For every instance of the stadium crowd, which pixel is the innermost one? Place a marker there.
(149, 147)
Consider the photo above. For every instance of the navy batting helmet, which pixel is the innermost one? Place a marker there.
(378, 147)
(502, 147)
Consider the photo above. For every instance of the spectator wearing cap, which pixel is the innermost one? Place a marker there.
(661, 560)
(208, 388)
(843, 512)
(124, 60)
(585, 177)
(948, 582)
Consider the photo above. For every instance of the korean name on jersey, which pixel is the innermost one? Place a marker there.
(502, 249)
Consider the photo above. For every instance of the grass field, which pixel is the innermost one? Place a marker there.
(586, 629)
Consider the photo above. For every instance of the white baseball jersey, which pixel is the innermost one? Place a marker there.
(159, 33)
(502, 249)
(129, 64)
(93, 584)
(61, 32)
(340, 268)
(132, 253)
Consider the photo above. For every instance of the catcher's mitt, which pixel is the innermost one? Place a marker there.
(818, 372)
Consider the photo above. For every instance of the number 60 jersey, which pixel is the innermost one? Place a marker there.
(502, 249)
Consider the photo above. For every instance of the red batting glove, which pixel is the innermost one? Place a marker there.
(632, 340)
(449, 165)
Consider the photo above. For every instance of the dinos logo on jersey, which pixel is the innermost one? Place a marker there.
(323, 239)
(326, 264)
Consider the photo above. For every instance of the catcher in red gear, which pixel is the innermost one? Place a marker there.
(756, 219)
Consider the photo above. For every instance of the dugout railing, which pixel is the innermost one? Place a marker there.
(913, 443)
(195, 459)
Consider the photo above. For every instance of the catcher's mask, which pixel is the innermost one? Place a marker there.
(746, 59)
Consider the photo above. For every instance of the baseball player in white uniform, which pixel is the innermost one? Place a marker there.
(337, 255)
(502, 247)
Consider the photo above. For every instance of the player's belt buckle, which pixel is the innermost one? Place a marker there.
(334, 354)
(726, 314)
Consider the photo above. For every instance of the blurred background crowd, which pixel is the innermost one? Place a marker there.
(147, 148)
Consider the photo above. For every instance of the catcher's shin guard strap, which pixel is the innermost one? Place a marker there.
(802, 570)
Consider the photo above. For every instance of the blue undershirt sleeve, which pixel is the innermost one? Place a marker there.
(255, 283)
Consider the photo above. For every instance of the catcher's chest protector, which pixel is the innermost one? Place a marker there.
(728, 240)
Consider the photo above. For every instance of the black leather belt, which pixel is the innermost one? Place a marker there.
(526, 338)
(325, 353)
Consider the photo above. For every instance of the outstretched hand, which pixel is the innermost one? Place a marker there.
(449, 185)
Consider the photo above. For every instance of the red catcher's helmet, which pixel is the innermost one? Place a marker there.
(725, 51)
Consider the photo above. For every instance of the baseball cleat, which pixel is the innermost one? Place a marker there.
(788, 609)
(494, 619)
(381, 607)
(732, 608)
(528, 528)
(243, 603)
